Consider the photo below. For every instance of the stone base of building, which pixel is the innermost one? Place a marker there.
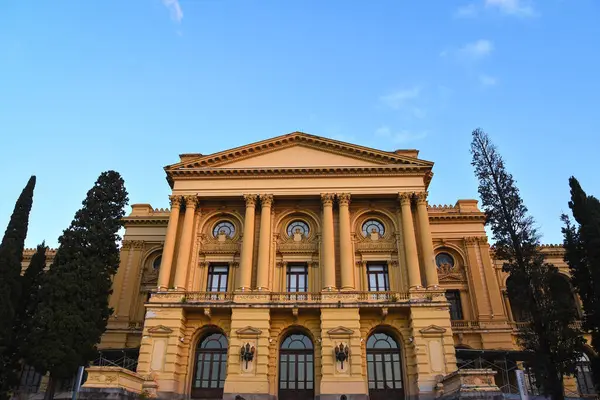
(107, 394)
(472, 384)
(249, 396)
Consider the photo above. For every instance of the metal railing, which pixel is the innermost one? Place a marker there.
(125, 361)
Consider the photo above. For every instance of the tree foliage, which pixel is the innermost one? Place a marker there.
(536, 285)
(73, 310)
(11, 255)
(582, 245)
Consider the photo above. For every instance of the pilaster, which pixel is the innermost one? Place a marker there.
(479, 289)
(341, 326)
(426, 241)
(433, 344)
(161, 350)
(248, 325)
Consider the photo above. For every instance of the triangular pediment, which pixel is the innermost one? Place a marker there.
(248, 331)
(340, 330)
(433, 330)
(298, 150)
(160, 329)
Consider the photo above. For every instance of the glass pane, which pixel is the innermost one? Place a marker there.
(213, 384)
(206, 367)
(379, 385)
(292, 385)
(371, 385)
(373, 282)
(284, 357)
(223, 368)
(309, 371)
(301, 283)
(378, 368)
(283, 385)
(397, 376)
(214, 375)
(309, 385)
(283, 372)
(300, 371)
(292, 372)
(300, 385)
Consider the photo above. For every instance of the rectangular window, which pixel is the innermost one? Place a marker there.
(217, 277)
(297, 278)
(453, 297)
(377, 275)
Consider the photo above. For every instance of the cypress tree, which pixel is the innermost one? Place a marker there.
(582, 245)
(31, 282)
(73, 309)
(555, 345)
(11, 255)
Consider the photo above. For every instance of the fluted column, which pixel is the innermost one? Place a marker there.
(264, 242)
(164, 273)
(346, 261)
(327, 249)
(247, 243)
(426, 241)
(183, 256)
(410, 241)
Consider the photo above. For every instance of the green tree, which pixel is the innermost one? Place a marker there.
(11, 255)
(537, 286)
(31, 282)
(582, 245)
(73, 309)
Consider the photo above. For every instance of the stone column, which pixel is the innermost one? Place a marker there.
(410, 242)
(509, 313)
(183, 256)
(247, 243)
(346, 261)
(164, 273)
(327, 248)
(264, 242)
(426, 241)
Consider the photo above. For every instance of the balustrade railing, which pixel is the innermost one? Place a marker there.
(465, 324)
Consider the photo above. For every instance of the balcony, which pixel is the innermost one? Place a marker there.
(461, 326)
(331, 299)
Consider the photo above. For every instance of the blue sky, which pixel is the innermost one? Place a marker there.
(87, 86)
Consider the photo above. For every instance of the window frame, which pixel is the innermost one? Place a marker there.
(289, 274)
(383, 273)
(456, 312)
(212, 275)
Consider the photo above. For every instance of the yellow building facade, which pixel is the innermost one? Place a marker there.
(301, 267)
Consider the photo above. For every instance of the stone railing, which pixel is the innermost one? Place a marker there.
(464, 325)
(467, 325)
(100, 380)
(469, 383)
(314, 299)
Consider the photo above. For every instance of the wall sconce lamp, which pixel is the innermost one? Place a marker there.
(247, 353)
(341, 353)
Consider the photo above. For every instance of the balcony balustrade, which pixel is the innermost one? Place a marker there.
(294, 299)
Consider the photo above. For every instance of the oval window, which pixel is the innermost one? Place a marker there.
(297, 226)
(444, 260)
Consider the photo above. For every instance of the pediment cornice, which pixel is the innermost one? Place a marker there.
(379, 157)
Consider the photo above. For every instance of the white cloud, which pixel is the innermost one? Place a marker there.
(487, 80)
(398, 99)
(476, 50)
(470, 10)
(174, 9)
(399, 137)
(518, 8)
(521, 8)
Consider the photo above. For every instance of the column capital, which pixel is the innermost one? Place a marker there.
(191, 201)
(266, 200)
(421, 197)
(327, 199)
(250, 200)
(405, 197)
(344, 199)
(175, 200)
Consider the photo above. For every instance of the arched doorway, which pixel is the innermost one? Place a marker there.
(384, 370)
(296, 368)
(210, 367)
(583, 374)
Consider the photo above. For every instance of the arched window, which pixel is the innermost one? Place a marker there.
(211, 367)
(296, 368)
(384, 370)
(583, 373)
(372, 226)
(297, 226)
(444, 260)
(224, 227)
